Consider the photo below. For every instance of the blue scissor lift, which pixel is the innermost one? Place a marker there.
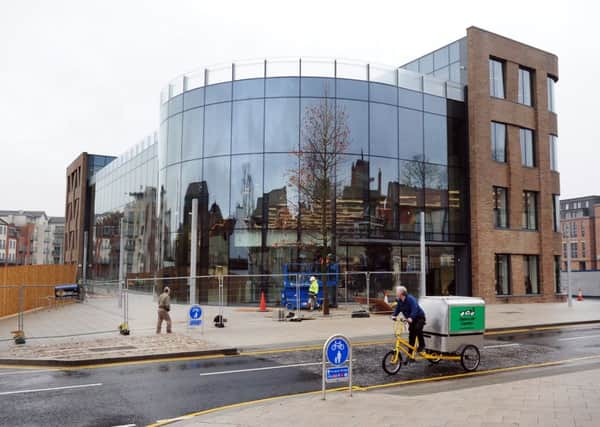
(302, 273)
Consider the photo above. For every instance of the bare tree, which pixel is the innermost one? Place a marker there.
(325, 137)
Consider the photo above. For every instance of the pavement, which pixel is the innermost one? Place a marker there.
(55, 332)
(565, 400)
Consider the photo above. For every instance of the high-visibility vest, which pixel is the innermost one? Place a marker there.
(314, 287)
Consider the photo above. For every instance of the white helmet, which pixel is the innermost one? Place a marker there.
(313, 278)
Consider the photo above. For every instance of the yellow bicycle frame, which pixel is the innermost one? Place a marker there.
(402, 345)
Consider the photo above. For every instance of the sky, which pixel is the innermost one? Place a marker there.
(86, 75)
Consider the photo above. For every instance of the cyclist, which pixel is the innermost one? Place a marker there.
(414, 315)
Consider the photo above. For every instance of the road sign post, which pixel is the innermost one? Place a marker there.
(337, 362)
(195, 317)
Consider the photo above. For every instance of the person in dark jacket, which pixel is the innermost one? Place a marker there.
(414, 315)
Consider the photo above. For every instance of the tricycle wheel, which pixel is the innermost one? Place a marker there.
(435, 360)
(470, 358)
(390, 365)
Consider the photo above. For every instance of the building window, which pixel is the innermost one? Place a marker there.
(564, 250)
(574, 250)
(530, 210)
(527, 151)
(532, 285)
(500, 207)
(565, 229)
(525, 87)
(551, 94)
(553, 143)
(583, 255)
(573, 229)
(582, 230)
(502, 274)
(556, 212)
(496, 78)
(498, 139)
(557, 288)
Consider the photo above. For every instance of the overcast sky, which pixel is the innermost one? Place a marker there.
(86, 76)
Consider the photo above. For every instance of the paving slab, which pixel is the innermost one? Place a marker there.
(386, 407)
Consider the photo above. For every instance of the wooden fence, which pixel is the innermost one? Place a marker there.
(44, 276)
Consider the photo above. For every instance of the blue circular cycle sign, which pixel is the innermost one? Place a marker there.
(337, 351)
(195, 312)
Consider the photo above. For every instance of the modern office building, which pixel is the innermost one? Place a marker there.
(465, 134)
(78, 208)
(580, 220)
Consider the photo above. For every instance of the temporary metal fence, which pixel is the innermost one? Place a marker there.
(103, 305)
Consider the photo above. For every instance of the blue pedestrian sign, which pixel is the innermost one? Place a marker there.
(195, 316)
(337, 351)
(338, 374)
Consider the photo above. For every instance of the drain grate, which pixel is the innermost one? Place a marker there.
(117, 348)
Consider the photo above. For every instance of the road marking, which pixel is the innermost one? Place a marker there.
(160, 423)
(266, 368)
(578, 338)
(37, 390)
(502, 345)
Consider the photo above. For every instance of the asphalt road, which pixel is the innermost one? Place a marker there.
(142, 393)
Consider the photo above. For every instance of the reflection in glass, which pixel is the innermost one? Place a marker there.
(247, 129)
(383, 93)
(193, 98)
(282, 126)
(216, 176)
(174, 139)
(218, 93)
(217, 131)
(352, 89)
(316, 87)
(250, 88)
(384, 194)
(436, 146)
(193, 121)
(384, 130)
(283, 86)
(358, 125)
(411, 134)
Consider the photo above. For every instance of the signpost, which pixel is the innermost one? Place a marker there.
(337, 351)
(195, 316)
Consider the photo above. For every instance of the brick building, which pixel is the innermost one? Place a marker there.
(514, 182)
(580, 223)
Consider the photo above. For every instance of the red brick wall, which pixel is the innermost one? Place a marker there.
(485, 173)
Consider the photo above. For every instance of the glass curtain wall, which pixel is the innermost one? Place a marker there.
(235, 147)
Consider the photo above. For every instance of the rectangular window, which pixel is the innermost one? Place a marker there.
(573, 229)
(527, 151)
(500, 207)
(574, 250)
(582, 230)
(551, 94)
(532, 285)
(553, 145)
(530, 210)
(496, 78)
(583, 255)
(556, 212)
(498, 140)
(557, 288)
(564, 250)
(502, 274)
(525, 87)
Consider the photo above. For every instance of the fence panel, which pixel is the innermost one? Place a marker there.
(9, 304)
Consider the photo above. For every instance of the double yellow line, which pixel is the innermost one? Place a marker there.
(377, 386)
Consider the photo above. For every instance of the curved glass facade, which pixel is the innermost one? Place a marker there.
(233, 145)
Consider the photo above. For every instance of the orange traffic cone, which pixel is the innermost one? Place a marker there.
(580, 295)
(263, 302)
